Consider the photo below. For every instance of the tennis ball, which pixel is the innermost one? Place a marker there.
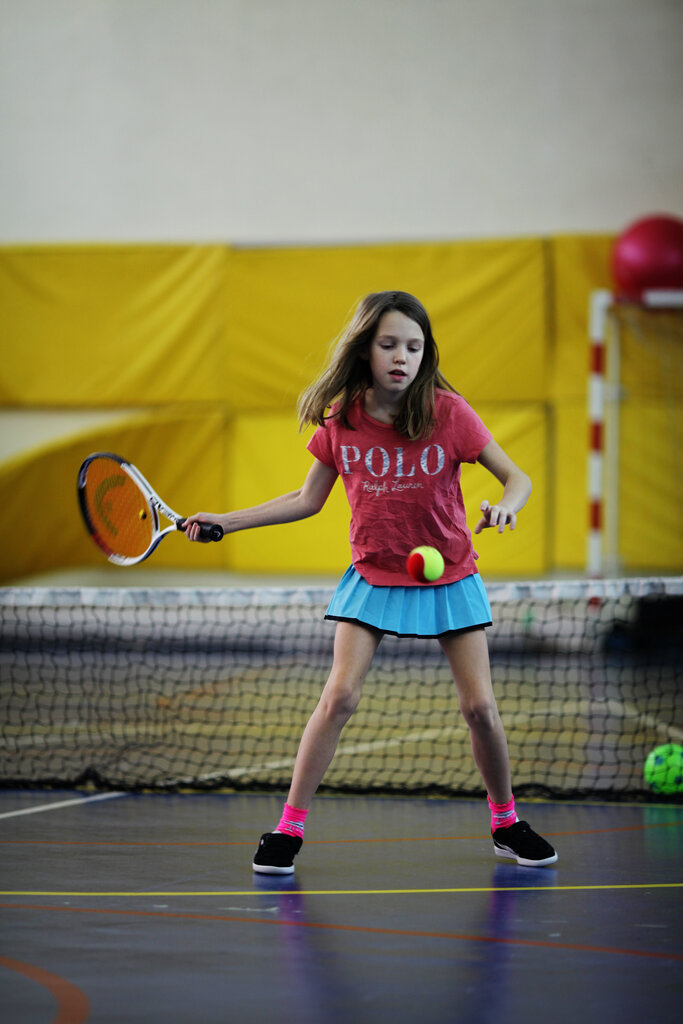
(425, 564)
(663, 769)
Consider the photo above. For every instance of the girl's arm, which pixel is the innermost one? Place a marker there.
(516, 490)
(288, 508)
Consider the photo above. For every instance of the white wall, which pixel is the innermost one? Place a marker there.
(282, 121)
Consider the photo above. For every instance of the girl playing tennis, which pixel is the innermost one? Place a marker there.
(396, 432)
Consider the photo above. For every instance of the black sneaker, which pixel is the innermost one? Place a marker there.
(276, 853)
(519, 842)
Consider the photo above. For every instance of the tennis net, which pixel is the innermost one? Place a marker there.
(211, 688)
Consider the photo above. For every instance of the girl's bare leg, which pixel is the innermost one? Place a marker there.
(354, 649)
(468, 658)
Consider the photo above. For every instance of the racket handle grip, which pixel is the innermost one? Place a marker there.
(207, 531)
(211, 531)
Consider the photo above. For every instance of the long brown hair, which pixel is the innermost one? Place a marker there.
(348, 376)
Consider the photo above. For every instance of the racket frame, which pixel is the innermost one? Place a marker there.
(155, 505)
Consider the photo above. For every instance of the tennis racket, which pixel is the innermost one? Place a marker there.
(121, 510)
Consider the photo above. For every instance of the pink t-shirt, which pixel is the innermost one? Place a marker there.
(405, 493)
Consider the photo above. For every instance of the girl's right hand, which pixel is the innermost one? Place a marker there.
(192, 525)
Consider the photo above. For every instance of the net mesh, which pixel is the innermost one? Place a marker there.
(200, 688)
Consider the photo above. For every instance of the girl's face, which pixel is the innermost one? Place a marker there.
(396, 353)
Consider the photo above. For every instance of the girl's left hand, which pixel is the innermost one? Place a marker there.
(495, 516)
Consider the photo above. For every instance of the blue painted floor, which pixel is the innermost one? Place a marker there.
(143, 908)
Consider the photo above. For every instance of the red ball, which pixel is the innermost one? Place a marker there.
(649, 255)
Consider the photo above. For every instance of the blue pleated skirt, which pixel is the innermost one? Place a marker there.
(426, 611)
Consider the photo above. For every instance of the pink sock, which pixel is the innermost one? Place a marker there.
(292, 821)
(502, 815)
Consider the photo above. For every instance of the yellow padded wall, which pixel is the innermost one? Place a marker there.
(184, 457)
(650, 424)
(269, 458)
(579, 265)
(486, 301)
(122, 326)
(523, 433)
(650, 487)
(568, 526)
(649, 418)
(228, 333)
(112, 326)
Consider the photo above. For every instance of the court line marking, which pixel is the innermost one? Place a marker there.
(625, 710)
(72, 1003)
(345, 892)
(61, 804)
(366, 929)
(343, 750)
(613, 706)
(323, 842)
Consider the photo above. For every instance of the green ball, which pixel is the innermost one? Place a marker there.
(425, 564)
(663, 769)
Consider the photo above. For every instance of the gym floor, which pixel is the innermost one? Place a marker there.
(143, 908)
